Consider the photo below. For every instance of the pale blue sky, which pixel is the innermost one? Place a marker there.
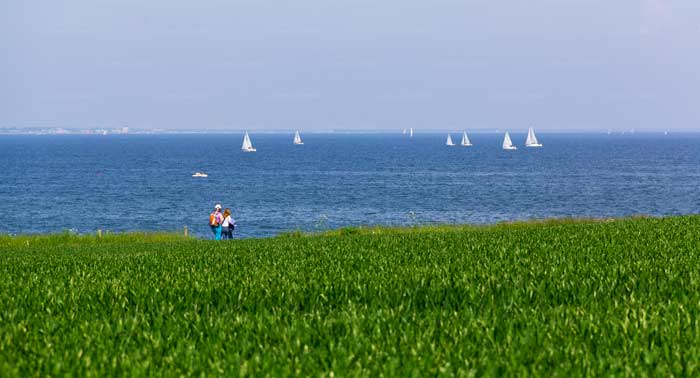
(439, 64)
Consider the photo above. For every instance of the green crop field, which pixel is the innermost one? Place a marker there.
(559, 298)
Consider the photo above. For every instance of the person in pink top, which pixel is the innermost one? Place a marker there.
(215, 221)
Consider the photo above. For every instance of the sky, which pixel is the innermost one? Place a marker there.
(339, 64)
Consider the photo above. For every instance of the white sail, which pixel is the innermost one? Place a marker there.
(531, 140)
(247, 145)
(404, 131)
(297, 138)
(507, 143)
(449, 140)
(411, 133)
(465, 140)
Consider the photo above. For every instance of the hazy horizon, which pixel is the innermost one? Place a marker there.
(571, 65)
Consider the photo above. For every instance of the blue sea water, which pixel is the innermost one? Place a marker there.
(143, 182)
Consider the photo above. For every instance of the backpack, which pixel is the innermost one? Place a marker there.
(213, 219)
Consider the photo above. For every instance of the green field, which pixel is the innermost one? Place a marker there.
(559, 298)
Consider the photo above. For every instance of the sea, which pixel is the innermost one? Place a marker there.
(120, 183)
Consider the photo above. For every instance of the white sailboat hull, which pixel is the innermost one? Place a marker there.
(247, 145)
(508, 143)
(297, 139)
(465, 140)
(248, 148)
(531, 140)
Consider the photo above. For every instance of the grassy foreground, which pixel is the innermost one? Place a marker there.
(546, 299)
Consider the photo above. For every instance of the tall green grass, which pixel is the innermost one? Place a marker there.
(565, 298)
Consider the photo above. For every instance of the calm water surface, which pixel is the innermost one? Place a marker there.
(134, 182)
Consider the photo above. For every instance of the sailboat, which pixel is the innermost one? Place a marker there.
(465, 140)
(531, 140)
(404, 132)
(410, 133)
(507, 143)
(297, 139)
(449, 140)
(247, 146)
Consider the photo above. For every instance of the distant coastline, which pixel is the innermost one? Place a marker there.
(104, 131)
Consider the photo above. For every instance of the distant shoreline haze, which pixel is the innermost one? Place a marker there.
(416, 131)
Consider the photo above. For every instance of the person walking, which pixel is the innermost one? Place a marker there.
(215, 221)
(228, 225)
